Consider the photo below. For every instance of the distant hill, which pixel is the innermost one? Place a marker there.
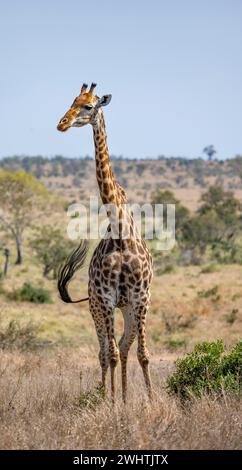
(187, 178)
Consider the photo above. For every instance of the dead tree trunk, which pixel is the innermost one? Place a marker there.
(7, 261)
(19, 258)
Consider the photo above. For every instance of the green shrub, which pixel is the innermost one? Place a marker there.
(174, 344)
(213, 293)
(29, 293)
(207, 370)
(210, 268)
(166, 269)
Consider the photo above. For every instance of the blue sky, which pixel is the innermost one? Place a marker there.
(174, 69)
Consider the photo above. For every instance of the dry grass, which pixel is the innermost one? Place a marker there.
(181, 311)
(40, 409)
(40, 392)
(177, 311)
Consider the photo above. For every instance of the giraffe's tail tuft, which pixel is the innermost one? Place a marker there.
(74, 262)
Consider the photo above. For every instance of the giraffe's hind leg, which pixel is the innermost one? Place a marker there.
(113, 350)
(142, 351)
(125, 343)
(103, 343)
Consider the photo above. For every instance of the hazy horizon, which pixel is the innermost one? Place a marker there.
(123, 157)
(174, 70)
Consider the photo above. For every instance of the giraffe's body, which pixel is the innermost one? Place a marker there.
(120, 270)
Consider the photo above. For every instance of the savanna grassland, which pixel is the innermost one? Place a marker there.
(49, 369)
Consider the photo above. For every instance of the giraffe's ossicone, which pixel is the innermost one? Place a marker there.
(120, 270)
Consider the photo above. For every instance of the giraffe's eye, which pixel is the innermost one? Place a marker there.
(88, 107)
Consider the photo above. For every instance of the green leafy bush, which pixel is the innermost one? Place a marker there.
(29, 293)
(208, 370)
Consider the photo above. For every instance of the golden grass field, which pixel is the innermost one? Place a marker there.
(40, 409)
(40, 404)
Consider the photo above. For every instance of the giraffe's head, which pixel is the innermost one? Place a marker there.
(83, 109)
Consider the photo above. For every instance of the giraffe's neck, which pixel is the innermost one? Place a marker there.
(110, 191)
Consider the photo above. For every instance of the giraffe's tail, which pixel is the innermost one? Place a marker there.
(74, 262)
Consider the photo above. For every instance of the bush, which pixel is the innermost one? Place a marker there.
(213, 293)
(173, 322)
(232, 316)
(207, 370)
(51, 248)
(210, 268)
(167, 269)
(173, 344)
(29, 293)
(23, 337)
(167, 197)
(91, 398)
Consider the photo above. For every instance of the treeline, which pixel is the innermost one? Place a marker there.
(41, 166)
(212, 234)
(60, 166)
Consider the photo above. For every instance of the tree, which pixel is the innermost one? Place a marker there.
(235, 164)
(217, 224)
(51, 248)
(167, 197)
(202, 230)
(21, 196)
(210, 151)
(223, 203)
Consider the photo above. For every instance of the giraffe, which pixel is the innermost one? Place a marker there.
(120, 270)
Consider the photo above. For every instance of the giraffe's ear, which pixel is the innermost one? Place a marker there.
(104, 101)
